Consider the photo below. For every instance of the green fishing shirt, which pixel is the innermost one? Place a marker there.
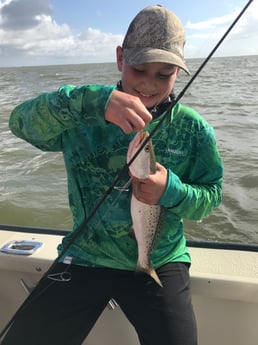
(71, 120)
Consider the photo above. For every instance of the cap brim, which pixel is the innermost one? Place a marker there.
(136, 56)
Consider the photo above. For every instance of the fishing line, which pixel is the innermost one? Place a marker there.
(35, 293)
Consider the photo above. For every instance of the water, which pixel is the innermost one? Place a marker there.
(33, 189)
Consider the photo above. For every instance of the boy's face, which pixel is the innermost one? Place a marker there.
(151, 82)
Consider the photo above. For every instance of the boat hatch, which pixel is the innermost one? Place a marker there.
(21, 247)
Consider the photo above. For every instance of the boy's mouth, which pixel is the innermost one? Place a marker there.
(142, 94)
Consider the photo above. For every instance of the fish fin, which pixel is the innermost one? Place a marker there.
(131, 233)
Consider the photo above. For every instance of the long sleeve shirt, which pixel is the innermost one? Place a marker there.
(71, 120)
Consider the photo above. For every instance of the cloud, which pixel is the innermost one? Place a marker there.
(28, 30)
(243, 39)
(23, 14)
(97, 42)
(212, 23)
(29, 35)
(247, 23)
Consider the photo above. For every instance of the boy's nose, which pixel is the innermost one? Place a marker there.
(149, 84)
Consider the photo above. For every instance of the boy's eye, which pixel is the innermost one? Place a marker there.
(158, 75)
(136, 70)
(165, 76)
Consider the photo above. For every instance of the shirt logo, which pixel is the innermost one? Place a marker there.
(175, 152)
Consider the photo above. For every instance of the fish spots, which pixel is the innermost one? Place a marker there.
(146, 218)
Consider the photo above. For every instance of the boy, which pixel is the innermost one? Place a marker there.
(92, 125)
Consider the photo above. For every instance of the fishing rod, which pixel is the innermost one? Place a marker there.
(35, 293)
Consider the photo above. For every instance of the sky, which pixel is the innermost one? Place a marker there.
(51, 32)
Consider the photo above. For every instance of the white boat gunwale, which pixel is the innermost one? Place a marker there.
(224, 278)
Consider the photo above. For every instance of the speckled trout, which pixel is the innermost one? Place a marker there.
(146, 218)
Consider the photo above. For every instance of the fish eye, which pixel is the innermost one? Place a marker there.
(147, 148)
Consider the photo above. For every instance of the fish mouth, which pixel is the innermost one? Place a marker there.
(143, 136)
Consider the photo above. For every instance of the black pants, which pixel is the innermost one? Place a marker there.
(65, 312)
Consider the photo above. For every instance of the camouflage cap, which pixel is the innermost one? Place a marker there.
(155, 35)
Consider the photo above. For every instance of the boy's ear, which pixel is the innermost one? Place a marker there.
(119, 58)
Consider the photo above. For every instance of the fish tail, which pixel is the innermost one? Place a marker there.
(151, 272)
(154, 275)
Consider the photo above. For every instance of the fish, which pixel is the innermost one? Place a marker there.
(146, 219)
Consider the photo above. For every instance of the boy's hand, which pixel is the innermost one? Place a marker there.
(127, 112)
(151, 189)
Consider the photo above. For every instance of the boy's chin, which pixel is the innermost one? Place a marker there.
(148, 102)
